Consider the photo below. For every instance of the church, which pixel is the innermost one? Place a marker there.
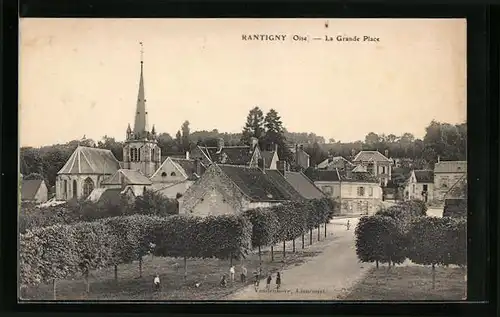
(90, 172)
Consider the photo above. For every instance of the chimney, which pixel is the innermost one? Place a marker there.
(276, 147)
(187, 155)
(386, 153)
(439, 158)
(254, 142)
(262, 165)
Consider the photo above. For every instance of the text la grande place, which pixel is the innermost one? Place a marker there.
(295, 37)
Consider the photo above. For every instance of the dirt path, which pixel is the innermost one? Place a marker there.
(324, 277)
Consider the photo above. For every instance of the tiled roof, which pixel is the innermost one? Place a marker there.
(358, 177)
(189, 167)
(303, 185)
(280, 181)
(232, 155)
(334, 160)
(255, 184)
(268, 157)
(322, 175)
(424, 176)
(129, 177)
(29, 188)
(367, 156)
(451, 167)
(89, 160)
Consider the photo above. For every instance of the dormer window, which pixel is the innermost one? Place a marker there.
(163, 174)
(172, 174)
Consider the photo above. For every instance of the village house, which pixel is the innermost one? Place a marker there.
(336, 162)
(376, 164)
(34, 191)
(420, 185)
(356, 192)
(231, 189)
(176, 175)
(446, 175)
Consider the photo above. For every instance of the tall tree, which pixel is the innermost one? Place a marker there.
(372, 139)
(110, 144)
(178, 140)
(274, 135)
(254, 126)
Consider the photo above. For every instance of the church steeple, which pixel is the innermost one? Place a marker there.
(141, 116)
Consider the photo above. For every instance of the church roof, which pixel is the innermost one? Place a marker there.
(128, 177)
(451, 167)
(89, 160)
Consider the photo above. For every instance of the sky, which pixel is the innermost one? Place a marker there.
(80, 76)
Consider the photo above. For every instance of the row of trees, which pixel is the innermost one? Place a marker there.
(150, 203)
(405, 232)
(66, 250)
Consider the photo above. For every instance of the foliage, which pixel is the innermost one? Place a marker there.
(93, 245)
(153, 203)
(292, 220)
(33, 176)
(404, 212)
(264, 226)
(29, 253)
(254, 126)
(58, 257)
(124, 238)
(378, 238)
(438, 241)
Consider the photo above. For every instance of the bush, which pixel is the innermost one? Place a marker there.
(155, 204)
(456, 241)
(456, 208)
(29, 264)
(378, 239)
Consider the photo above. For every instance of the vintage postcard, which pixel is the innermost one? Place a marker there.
(242, 159)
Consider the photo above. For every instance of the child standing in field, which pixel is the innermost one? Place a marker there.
(223, 281)
(269, 279)
(348, 224)
(231, 273)
(156, 282)
(278, 280)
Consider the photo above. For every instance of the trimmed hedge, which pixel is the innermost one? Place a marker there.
(264, 226)
(61, 251)
(378, 239)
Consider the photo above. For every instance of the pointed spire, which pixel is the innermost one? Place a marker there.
(153, 130)
(141, 116)
(129, 129)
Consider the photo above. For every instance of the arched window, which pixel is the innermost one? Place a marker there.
(153, 155)
(138, 154)
(88, 186)
(75, 189)
(131, 155)
(163, 174)
(172, 174)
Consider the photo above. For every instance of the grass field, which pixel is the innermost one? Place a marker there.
(174, 287)
(410, 283)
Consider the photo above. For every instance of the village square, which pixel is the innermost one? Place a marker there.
(191, 200)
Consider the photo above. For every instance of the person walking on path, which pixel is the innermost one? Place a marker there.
(348, 225)
(256, 280)
(243, 274)
(278, 280)
(269, 279)
(231, 273)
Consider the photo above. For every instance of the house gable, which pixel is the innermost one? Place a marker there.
(169, 172)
